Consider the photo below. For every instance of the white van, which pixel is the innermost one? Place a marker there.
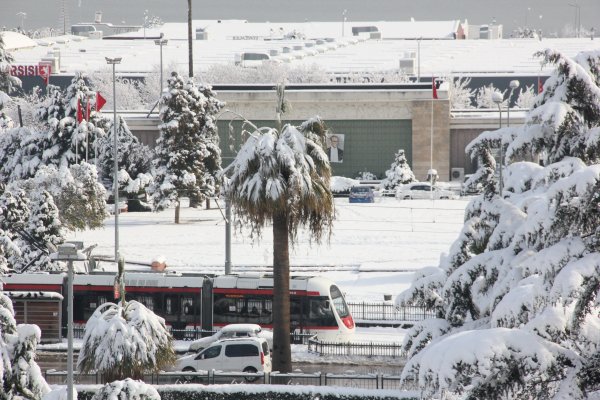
(232, 331)
(230, 355)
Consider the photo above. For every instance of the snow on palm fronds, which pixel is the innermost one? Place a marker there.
(518, 291)
(283, 171)
(127, 341)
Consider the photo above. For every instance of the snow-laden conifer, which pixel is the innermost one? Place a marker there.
(399, 172)
(188, 156)
(133, 157)
(517, 295)
(20, 376)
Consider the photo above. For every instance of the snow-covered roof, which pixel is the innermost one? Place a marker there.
(336, 53)
(15, 41)
(34, 295)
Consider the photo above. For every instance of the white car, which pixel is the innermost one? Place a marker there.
(233, 331)
(249, 354)
(423, 190)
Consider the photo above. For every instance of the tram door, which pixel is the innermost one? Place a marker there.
(207, 307)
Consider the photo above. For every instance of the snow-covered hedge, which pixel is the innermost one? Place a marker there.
(264, 392)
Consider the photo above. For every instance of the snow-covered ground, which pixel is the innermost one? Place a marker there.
(374, 248)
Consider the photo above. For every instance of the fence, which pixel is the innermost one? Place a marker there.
(364, 381)
(367, 349)
(386, 312)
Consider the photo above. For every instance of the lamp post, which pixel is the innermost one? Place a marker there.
(69, 252)
(344, 20)
(114, 61)
(577, 17)
(419, 59)
(498, 98)
(145, 22)
(161, 42)
(513, 85)
(23, 15)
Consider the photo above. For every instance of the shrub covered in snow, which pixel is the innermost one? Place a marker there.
(399, 172)
(125, 342)
(127, 389)
(266, 392)
(517, 296)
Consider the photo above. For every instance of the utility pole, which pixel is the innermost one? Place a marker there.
(190, 50)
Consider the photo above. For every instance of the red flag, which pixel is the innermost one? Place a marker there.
(79, 112)
(45, 70)
(433, 87)
(88, 109)
(540, 85)
(100, 101)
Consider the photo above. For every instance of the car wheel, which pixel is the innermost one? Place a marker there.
(190, 378)
(250, 370)
(406, 197)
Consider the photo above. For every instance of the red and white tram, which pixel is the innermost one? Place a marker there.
(316, 304)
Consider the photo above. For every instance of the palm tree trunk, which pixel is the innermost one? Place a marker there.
(177, 212)
(190, 52)
(282, 356)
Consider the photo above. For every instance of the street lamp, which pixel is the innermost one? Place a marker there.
(498, 98)
(513, 85)
(69, 252)
(114, 61)
(577, 17)
(23, 15)
(161, 42)
(344, 20)
(145, 22)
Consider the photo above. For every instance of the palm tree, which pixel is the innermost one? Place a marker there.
(283, 177)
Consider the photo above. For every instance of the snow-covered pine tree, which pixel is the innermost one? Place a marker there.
(43, 228)
(20, 376)
(517, 295)
(399, 172)
(65, 142)
(7, 82)
(188, 156)
(134, 158)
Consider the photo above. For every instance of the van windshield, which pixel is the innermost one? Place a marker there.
(361, 189)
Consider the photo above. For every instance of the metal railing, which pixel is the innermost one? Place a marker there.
(363, 381)
(388, 312)
(365, 349)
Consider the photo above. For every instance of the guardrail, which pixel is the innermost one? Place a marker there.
(364, 381)
(364, 349)
(387, 311)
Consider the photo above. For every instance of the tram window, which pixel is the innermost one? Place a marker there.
(147, 301)
(338, 301)
(168, 305)
(319, 313)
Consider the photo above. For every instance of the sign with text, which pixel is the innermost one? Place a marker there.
(43, 70)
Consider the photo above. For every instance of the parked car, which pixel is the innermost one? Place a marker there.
(470, 190)
(361, 194)
(423, 190)
(249, 354)
(233, 331)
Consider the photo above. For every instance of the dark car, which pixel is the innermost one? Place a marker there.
(361, 194)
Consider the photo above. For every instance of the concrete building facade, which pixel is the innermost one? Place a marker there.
(373, 122)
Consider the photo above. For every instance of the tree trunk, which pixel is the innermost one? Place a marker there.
(190, 42)
(208, 203)
(282, 354)
(177, 212)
